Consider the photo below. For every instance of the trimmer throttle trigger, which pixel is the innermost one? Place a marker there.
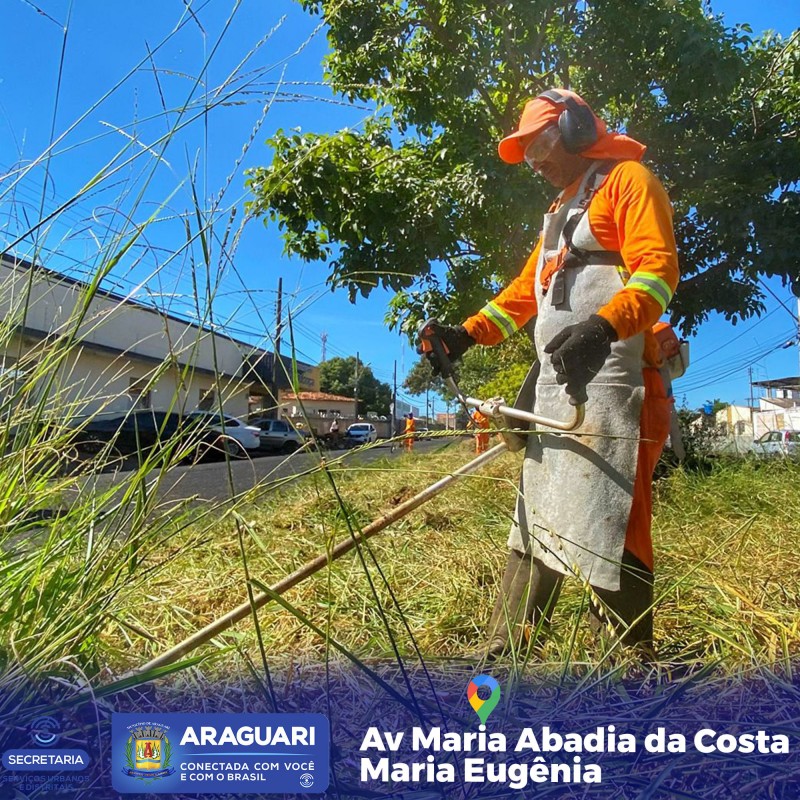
(432, 342)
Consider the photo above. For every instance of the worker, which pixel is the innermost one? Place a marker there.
(602, 273)
(334, 433)
(481, 424)
(411, 427)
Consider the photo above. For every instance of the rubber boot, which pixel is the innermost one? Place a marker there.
(511, 609)
(528, 593)
(630, 609)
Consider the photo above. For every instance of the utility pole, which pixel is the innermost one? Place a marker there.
(276, 356)
(324, 337)
(427, 407)
(355, 387)
(394, 400)
(752, 412)
(798, 327)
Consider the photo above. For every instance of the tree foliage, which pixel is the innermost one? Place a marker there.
(482, 372)
(506, 383)
(419, 202)
(718, 405)
(420, 379)
(338, 376)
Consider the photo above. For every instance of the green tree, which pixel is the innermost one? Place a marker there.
(505, 383)
(418, 201)
(481, 372)
(338, 376)
(420, 379)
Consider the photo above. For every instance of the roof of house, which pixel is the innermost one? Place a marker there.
(317, 396)
(779, 383)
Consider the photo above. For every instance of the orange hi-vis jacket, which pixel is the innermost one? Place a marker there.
(630, 214)
(480, 420)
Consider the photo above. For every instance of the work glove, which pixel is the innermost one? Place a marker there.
(455, 339)
(579, 352)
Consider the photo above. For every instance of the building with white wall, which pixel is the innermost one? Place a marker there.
(318, 404)
(778, 407)
(98, 352)
(735, 420)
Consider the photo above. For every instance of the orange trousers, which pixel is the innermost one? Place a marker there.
(653, 431)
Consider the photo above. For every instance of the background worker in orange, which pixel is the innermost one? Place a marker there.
(602, 273)
(481, 424)
(411, 427)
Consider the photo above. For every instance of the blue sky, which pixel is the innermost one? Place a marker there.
(106, 41)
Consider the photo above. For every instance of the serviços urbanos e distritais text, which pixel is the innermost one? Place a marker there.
(548, 743)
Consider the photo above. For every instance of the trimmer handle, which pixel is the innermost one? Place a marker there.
(430, 341)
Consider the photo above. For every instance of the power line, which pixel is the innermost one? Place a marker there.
(789, 310)
(724, 371)
(80, 267)
(738, 336)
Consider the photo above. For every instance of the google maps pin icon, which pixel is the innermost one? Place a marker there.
(483, 707)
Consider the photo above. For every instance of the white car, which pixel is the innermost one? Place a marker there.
(362, 433)
(248, 436)
(778, 443)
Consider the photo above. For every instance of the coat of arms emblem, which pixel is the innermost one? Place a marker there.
(148, 752)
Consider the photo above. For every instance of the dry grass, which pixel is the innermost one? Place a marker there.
(727, 571)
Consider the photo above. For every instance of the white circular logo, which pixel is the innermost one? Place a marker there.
(306, 780)
(45, 731)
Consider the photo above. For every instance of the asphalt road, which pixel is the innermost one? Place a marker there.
(211, 483)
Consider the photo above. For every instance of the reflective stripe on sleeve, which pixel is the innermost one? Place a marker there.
(657, 288)
(500, 318)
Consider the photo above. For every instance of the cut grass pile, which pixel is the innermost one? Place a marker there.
(726, 575)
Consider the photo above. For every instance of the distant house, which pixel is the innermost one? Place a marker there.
(319, 409)
(122, 354)
(778, 407)
(318, 405)
(734, 428)
(735, 421)
(447, 420)
(262, 374)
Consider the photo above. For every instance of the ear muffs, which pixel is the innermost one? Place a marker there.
(576, 122)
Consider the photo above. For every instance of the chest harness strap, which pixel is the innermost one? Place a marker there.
(570, 255)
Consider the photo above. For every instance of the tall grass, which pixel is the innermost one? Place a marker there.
(73, 546)
(726, 573)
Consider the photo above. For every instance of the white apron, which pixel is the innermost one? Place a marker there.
(576, 491)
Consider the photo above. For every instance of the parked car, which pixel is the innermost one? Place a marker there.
(139, 430)
(278, 436)
(54, 448)
(784, 442)
(246, 435)
(362, 433)
(142, 431)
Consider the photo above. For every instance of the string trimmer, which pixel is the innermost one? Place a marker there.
(495, 407)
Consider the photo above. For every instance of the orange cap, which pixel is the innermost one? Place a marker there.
(541, 112)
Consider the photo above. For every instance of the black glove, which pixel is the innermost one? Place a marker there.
(579, 352)
(455, 339)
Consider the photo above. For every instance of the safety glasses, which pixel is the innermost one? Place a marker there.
(542, 146)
